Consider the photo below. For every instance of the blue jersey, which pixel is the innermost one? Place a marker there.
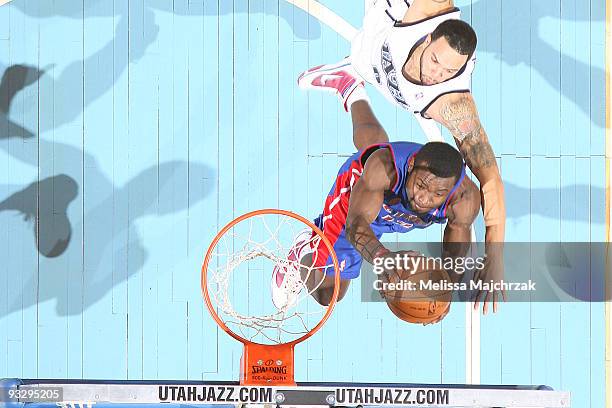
(395, 214)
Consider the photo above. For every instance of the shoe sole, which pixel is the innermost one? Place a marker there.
(273, 284)
(319, 72)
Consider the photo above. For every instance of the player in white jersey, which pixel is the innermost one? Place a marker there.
(420, 56)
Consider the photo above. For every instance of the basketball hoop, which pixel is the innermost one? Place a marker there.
(244, 254)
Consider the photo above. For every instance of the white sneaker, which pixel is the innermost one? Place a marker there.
(339, 78)
(286, 283)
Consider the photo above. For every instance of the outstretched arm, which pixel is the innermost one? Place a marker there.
(457, 112)
(461, 215)
(366, 128)
(365, 202)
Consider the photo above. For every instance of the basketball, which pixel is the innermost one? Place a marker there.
(422, 303)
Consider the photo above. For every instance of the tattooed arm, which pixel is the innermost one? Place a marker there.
(457, 112)
(366, 201)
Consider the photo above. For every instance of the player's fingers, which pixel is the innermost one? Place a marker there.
(384, 276)
(501, 297)
(439, 319)
(477, 300)
(485, 303)
(428, 323)
(443, 316)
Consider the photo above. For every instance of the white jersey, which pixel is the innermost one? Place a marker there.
(381, 47)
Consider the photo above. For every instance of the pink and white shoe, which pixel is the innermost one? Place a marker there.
(286, 281)
(339, 78)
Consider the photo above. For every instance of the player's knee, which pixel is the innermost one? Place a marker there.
(324, 297)
(323, 300)
(325, 290)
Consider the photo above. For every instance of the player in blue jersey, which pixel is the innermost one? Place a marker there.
(384, 187)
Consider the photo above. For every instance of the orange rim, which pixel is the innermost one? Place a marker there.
(204, 281)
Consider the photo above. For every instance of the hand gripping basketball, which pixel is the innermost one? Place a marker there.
(414, 288)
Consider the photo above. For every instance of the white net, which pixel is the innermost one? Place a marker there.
(262, 278)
